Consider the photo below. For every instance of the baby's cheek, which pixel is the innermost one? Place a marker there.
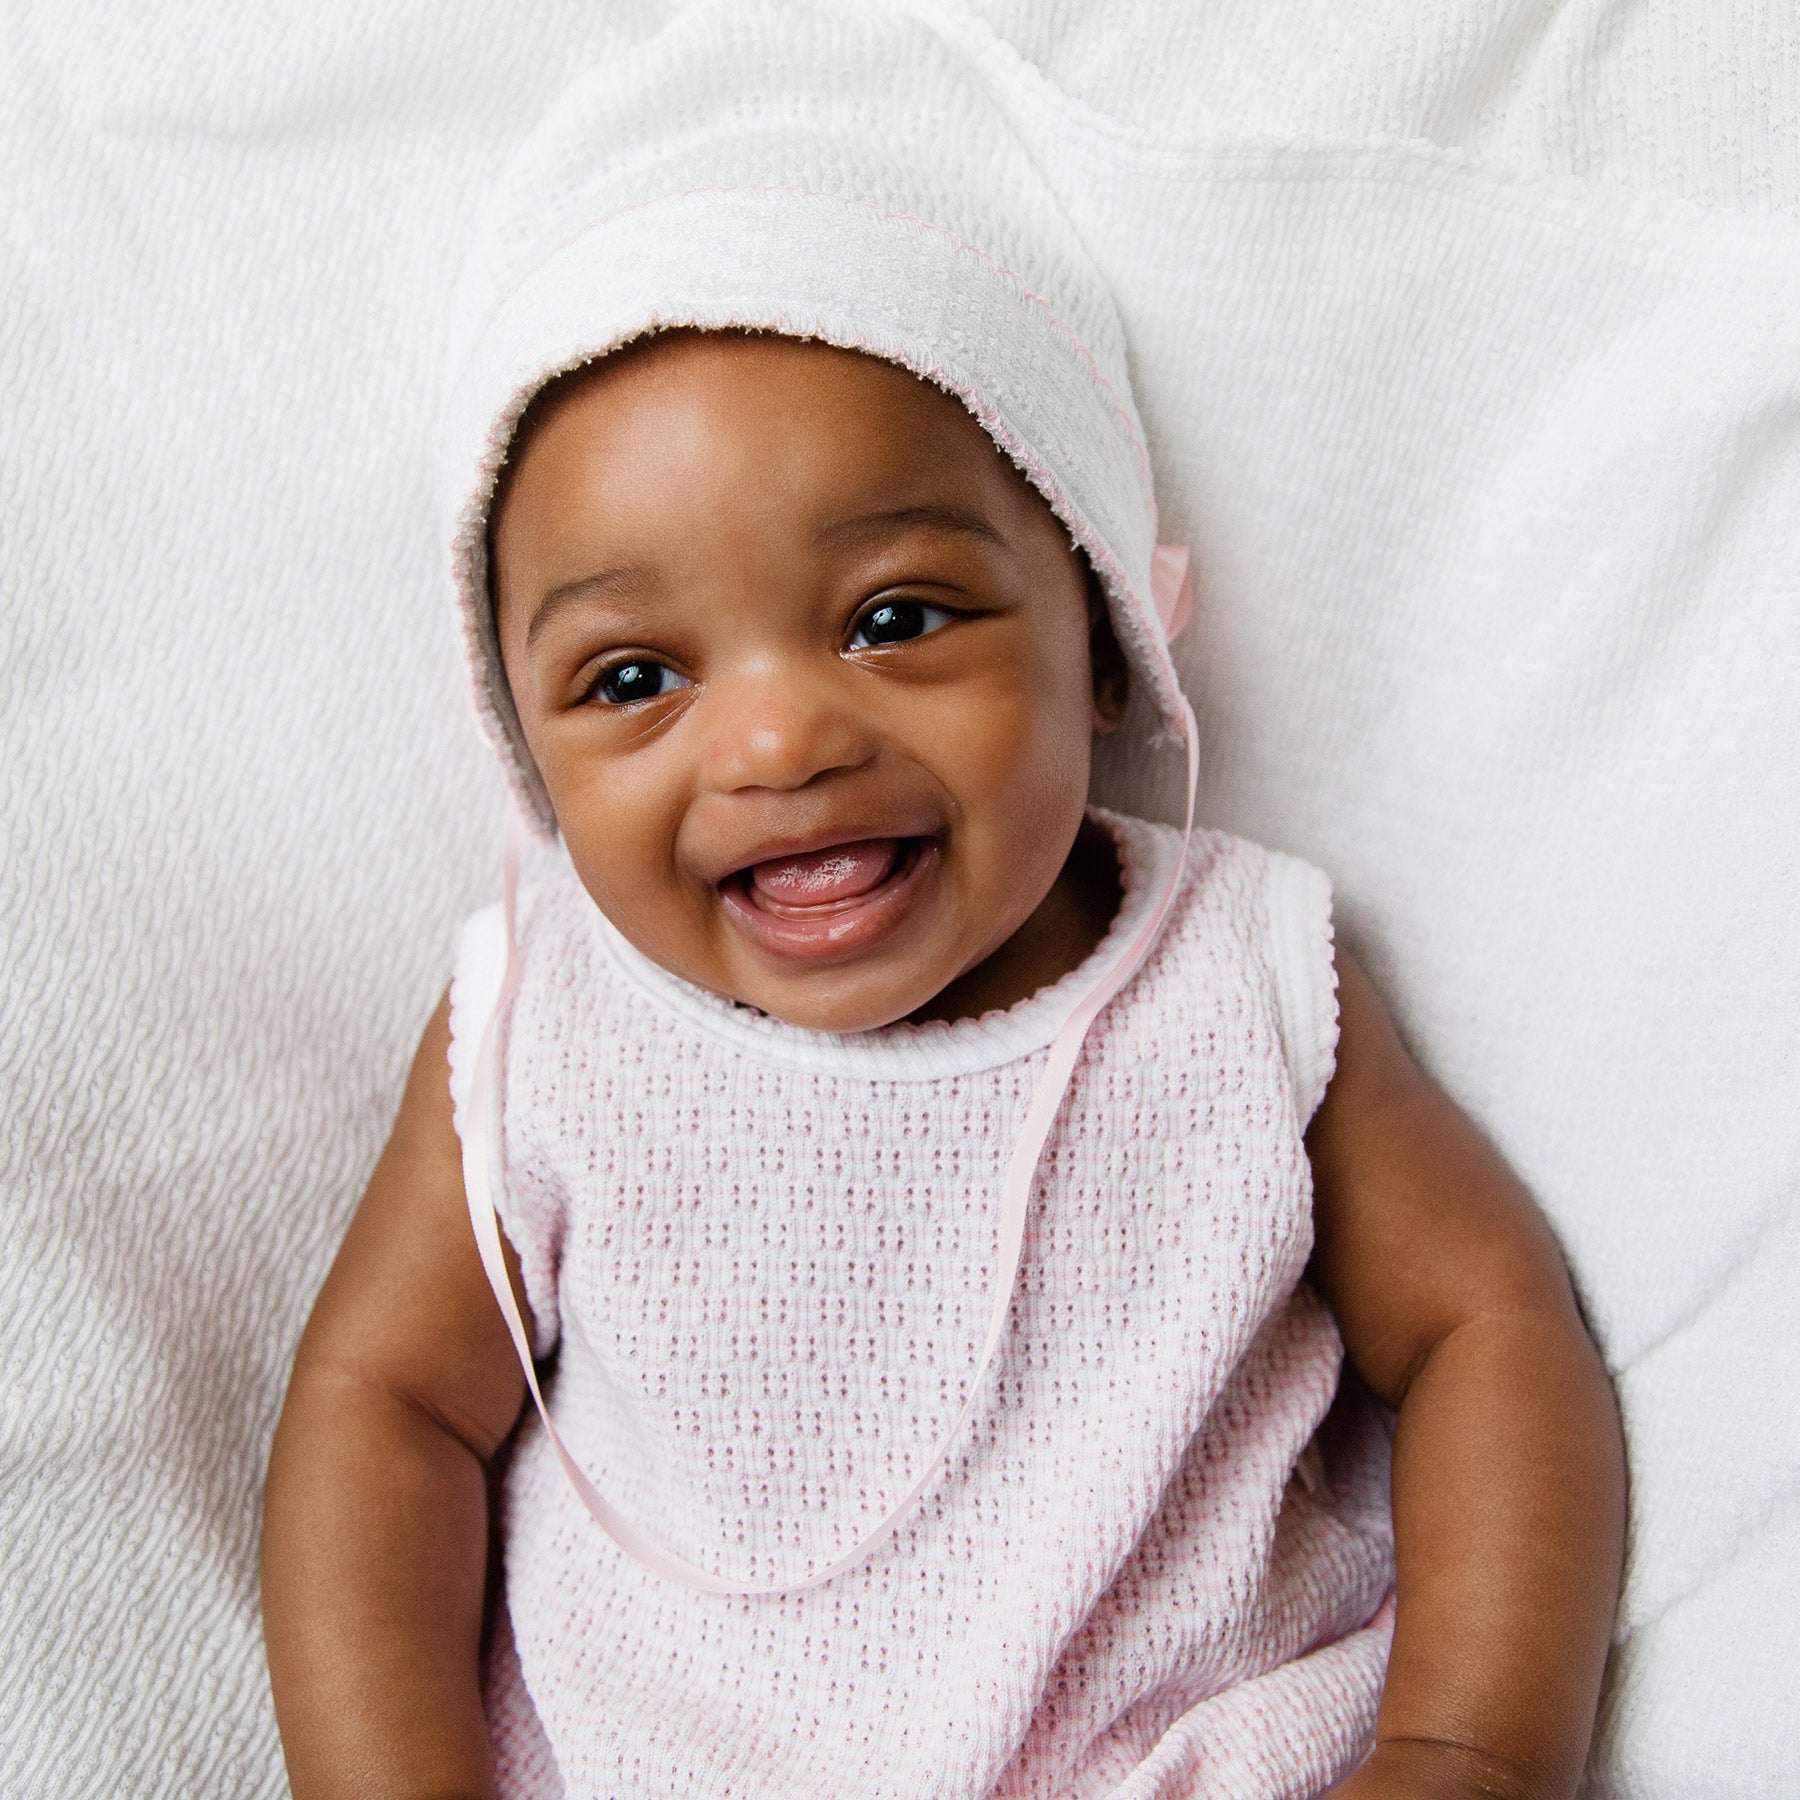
(1025, 792)
(621, 845)
(1034, 753)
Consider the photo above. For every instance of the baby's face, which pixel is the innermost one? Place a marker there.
(804, 664)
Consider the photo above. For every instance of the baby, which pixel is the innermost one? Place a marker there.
(948, 1202)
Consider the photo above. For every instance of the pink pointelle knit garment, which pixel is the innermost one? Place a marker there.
(762, 1256)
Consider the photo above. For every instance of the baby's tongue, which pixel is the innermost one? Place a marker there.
(822, 876)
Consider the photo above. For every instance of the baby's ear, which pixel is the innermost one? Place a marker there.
(1112, 673)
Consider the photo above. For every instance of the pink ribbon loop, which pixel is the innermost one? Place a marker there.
(1172, 587)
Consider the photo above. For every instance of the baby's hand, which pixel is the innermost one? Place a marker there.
(1413, 1769)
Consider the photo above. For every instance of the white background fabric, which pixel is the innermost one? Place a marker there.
(1467, 340)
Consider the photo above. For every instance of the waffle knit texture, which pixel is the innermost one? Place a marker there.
(762, 1256)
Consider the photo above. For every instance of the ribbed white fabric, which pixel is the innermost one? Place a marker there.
(764, 1254)
(1464, 337)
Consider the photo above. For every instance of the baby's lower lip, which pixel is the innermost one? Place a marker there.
(842, 926)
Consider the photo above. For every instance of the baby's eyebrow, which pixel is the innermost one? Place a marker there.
(931, 515)
(627, 579)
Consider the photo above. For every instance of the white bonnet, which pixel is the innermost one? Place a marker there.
(869, 193)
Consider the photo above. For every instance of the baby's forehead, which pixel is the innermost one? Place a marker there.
(722, 410)
(779, 379)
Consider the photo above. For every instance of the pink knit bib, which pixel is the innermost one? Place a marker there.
(764, 1256)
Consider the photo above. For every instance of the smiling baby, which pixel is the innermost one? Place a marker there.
(977, 1255)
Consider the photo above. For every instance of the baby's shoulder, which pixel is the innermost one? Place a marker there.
(1226, 882)
(552, 916)
(555, 941)
(1249, 930)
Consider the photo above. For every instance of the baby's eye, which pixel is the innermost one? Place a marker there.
(895, 621)
(641, 680)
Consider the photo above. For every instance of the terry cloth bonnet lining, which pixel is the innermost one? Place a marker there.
(864, 216)
(872, 198)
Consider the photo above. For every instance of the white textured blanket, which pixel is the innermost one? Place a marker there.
(1468, 337)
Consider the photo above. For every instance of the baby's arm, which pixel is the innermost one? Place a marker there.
(1509, 1475)
(375, 1518)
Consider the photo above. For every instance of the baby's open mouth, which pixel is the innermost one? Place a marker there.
(821, 880)
(830, 904)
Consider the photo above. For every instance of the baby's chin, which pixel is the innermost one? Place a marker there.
(840, 1000)
(865, 993)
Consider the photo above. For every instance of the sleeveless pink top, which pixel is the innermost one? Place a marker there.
(761, 1257)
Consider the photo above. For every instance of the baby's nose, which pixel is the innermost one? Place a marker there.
(777, 725)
